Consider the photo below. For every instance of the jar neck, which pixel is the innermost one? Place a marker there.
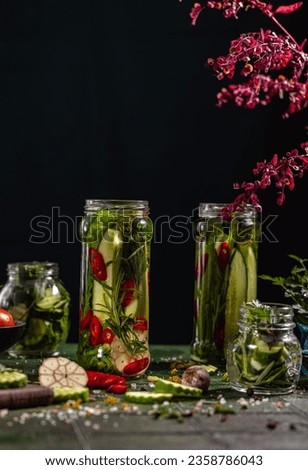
(33, 270)
(269, 316)
(117, 206)
(212, 210)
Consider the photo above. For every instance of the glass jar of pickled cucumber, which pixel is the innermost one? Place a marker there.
(265, 356)
(114, 287)
(33, 293)
(225, 276)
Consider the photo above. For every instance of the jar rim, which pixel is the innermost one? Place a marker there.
(34, 268)
(116, 204)
(279, 315)
(212, 209)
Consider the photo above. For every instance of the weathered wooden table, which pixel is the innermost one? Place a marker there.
(280, 422)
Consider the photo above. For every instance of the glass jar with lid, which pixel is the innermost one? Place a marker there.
(265, 356)
(114, 287)
(34, 293)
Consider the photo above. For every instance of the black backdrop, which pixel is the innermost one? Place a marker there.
(110, 99)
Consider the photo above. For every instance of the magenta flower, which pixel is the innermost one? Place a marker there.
(272, 65)
(257, 56)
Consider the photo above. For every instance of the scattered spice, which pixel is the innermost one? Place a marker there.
(75, 404)
(219, 408)
(279, 405)
(175, 378)
(152, 378)
(272, 424)
(110, 400)
(243, 403)
(170, 411)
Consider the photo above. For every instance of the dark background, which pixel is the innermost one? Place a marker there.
(111, 99)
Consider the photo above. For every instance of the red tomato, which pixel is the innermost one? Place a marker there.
(107, 335)
(6, 318)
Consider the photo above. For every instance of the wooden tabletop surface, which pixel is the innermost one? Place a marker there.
(108, 422)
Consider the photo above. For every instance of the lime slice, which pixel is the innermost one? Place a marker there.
(236, 294)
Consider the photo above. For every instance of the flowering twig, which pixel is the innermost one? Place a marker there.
(260, 53)
(262, 56)
(282, 172)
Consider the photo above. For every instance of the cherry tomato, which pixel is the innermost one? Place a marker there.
(107, 335)
(6, 318)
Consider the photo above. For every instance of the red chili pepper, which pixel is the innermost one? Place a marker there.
(119, 389)
(201, 265)
(103, 380)
(135, 367)
(141, 324)
(128, 292)
(95, 331)
(98, 264)
(223, 255)
(85, 322)
(107, 335)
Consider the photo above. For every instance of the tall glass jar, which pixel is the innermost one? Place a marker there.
(225, 276)
(265, 356)
(114, 287)
(33, 293)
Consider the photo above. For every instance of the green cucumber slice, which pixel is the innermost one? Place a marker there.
(147, 397)
(12, 378)
(251, 271)
(109, 248)
(257, 366)
(63, 394)
(265, 353)
(36, 330)
(176, 389)
(236, 294)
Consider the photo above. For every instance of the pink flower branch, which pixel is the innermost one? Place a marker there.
(272, 65)
(263, 51)
(280, 172)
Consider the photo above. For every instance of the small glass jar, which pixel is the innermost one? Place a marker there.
(265, 355)
(33, 293)
(114, 287)
(225, 276)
